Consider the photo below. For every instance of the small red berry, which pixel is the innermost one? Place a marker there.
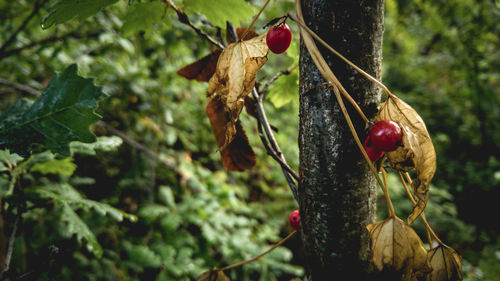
(295, 220)
(386, 135)
(278, 38)
(373, 153)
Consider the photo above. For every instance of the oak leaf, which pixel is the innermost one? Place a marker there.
(238, 155)
(446, 264)
(213, 274)
(396, 247)
(417, 151)
(235, 77)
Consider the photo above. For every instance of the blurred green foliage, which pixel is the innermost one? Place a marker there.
(441, 57)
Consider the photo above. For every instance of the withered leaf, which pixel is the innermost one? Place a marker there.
(446, 264)
(396, 247)
(237, 155)
(417, 151)
(235, 76)
(211, 275)
(202, 69)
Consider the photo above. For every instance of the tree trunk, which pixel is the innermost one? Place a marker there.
(337, 192)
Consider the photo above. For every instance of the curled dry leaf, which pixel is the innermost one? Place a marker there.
(202, 69)
(446, 264)
(396, 247)
(213, 274)
(238, 155)
(417, 151)
(235, 76)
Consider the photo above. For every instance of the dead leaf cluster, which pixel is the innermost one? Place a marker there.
(417, 151)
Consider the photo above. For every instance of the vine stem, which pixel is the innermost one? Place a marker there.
(327, 73)
(261, 255)
(254, 20)
(390, 207)
(364, 73)
(428, 228)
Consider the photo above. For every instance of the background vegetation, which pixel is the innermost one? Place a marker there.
(156, 158)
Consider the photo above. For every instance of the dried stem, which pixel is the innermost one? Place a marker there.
(390, 207)
(368, 76)
(422, 215)
(261, 255)
(38, 5)
(254, 20)
(20, 87)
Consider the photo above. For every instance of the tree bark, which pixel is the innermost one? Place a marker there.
(337, 192)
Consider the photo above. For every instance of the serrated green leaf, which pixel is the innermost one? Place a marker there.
(152, 211)
(65, 10)
(64, 167)
(101, 144)
(66, 194)
(144, 256)
(73, 225)
(8, 160)
(62, 114)
(142, 16)
(285, 89)
(220, 11)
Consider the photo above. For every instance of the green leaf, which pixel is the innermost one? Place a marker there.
(65, 10)
(73, 225)
(64, 167)
(66, 194)
(9, 159)
(101, 144)
(144, 256)
(142, 16)
(285, 89)
(220, 11)
(62, 114)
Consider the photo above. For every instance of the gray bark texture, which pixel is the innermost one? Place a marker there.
(337, 192)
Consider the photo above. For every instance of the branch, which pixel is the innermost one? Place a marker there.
(20, 87)
(49, 40)
(183, 18)
(38, 4)
(135, 144)
(10, 249)
(274, 78)
(270, 143)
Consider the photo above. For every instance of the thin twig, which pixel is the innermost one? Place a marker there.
(20, 87)
(183, 18)
(52, 39)
(254, 19)
(422, 215)
(134, 144)
(261, 255)
(13, 36)
(274, 144)
(274, 78)
(10, 248)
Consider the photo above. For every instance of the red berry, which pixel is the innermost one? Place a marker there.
(386, 135)
(278, 38)
(295, 220)
(373, 153)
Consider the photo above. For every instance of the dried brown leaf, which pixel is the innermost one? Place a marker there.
(222, 276)
(396, 247)
(235, 76)
(237, 155)
(202, 69)
(446, 264)
(417, 151)
(211, 275)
